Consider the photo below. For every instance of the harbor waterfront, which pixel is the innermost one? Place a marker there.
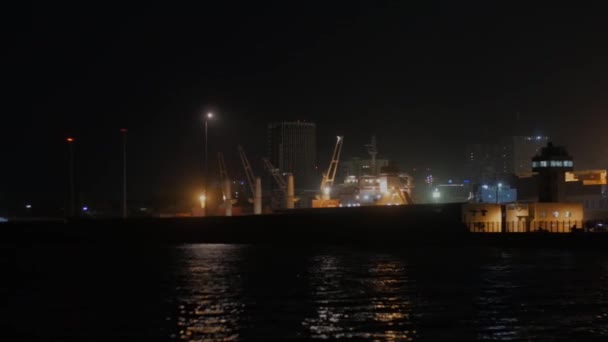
(393, 225)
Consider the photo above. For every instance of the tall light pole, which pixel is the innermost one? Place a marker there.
(208, 117)
(124, 132)
(72, 190)
(498, 188)
(436, 195)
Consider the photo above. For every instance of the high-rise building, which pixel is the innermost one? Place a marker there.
(490, 162)
(486, 163)
(523, 149)
(292, 148)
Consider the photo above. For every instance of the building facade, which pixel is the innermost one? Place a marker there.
(292, 147)
(522, 217)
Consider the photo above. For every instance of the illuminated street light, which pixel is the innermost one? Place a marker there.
(498, 187)
(72, 190)
(436, 195)
(208, 117)
(203, 200)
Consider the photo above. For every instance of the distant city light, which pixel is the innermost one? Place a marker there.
(203, 200)
(209, 115)
(436, 193)
(28, 206)
(85, 208)
(69, 139)
(485, 186)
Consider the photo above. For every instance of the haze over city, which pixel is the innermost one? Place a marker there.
(426, 79)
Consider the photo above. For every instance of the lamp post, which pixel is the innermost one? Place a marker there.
(498, 187)
(208, 117)
(72, 191)
(203, 199)
(124, 132)
(436, 195)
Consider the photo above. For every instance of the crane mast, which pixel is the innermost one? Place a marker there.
(276, 174)
(223, 174)
(330, 175)
(373, 151)
(248, 171)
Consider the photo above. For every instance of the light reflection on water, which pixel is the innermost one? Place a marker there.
(209, 305)
(368, 300)
(268, 293)
(227, 292)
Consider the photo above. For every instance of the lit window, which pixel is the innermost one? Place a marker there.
(556, 214)
(553, 163)
(568, 214)
(559, 163)
(543, 163)
(534, 164)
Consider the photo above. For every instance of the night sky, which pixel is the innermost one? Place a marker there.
(426, 79)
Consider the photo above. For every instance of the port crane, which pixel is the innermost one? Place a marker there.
(225, 185)
(248, 171)
(276, 174)
(255, 184)
(223, 174)
(286, 187)
(330, 175)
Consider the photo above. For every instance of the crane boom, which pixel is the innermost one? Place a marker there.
(276, 174)
(223, 174)
(330, 175)
(248, 171)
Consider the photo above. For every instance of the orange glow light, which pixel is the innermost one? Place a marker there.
(70, 139)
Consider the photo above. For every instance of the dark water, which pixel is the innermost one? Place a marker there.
(239, 292)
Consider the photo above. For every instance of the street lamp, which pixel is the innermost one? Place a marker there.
(124, 132)
(498, 187)
(70, 142)
(208, 117)
(203, 199)
(436, 195)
